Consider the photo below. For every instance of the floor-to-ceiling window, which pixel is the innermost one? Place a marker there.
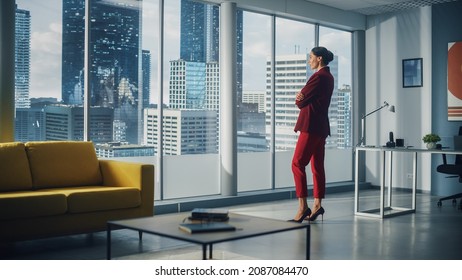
(340, 112)
(38, 71)
(254, 164)
(191, 99)
(50, 82)
(124, 91)
(294, 40)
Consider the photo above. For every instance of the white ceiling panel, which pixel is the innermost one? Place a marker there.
(372, 7)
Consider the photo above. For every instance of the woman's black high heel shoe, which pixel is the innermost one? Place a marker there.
(318, 212)
(305, 214)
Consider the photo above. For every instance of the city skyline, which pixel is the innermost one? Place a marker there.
(46, 41)
(117, 75)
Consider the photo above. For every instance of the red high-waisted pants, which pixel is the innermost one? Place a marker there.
(309, 148)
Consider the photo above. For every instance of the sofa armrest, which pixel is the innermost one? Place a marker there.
(129, 174)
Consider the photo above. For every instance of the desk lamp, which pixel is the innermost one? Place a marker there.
(363, 120)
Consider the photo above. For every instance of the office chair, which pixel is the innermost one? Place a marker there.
(453, 169)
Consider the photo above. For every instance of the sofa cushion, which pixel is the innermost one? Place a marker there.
(14, 167)
(30, 204)
(63, 164)
(97, 198)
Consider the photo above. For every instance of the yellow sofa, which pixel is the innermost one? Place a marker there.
(60, 187)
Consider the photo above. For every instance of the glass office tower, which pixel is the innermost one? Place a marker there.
(114, 59)
(200, 36)
(187, 85)
(22, 59)
(146, 68)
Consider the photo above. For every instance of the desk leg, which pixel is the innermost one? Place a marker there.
(108, 242)
(382, 185)
(357, 181)
(390, 178)
(308, 240)
(414, 182)
(210, 252)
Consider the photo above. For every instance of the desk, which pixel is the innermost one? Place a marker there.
(387, 205)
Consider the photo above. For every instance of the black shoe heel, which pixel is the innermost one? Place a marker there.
(305, 214)
(315, 215)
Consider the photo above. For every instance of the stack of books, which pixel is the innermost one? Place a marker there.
(207, 227)
(207, 220)
(209, 214)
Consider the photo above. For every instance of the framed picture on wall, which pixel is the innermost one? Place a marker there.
(454, 81)
(412, 72)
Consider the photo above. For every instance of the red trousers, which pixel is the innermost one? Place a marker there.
(309, 148)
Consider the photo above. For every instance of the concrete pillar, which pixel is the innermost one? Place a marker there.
(359, 92)
(228, 102)
(7, 69)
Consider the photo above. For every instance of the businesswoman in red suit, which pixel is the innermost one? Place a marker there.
(313, 124)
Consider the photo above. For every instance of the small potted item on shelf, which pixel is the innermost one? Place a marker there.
(431, 139)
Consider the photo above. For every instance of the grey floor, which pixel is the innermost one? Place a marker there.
(432, 233)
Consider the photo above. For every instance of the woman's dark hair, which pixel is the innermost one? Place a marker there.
(327, 56)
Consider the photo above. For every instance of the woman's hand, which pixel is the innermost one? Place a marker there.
(299, 96)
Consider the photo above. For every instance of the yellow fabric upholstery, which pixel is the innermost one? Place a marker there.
(14, 168)
(60, 188)
(97, 198)
(129, 174)
(119, 173)
(31, 204)
(63, 164)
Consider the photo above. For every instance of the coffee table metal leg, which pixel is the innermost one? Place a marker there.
(204, 251)
(308, 240)
(210, 252)
(108, 242)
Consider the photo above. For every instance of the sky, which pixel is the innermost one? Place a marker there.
(46, 31)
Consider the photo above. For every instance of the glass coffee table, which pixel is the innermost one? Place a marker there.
(168, 226)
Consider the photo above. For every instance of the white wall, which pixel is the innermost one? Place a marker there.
(390, 38)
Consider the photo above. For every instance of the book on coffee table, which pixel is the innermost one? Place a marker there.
(212, 214)
(206, 227)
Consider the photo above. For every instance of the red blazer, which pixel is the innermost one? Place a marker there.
(314, 108)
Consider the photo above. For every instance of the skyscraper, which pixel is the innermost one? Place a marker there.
(192, 40)
(199, 55)
(73, 39)
(187, 84)
(22, 58)
(146, 68)
(115, 59)
(291, 75)
(200, 36)
(65, 122)
(344, 131)
(186, 131)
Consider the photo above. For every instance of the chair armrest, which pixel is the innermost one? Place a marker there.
(129, 174)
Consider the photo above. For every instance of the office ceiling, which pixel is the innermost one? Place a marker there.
(374, 7)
